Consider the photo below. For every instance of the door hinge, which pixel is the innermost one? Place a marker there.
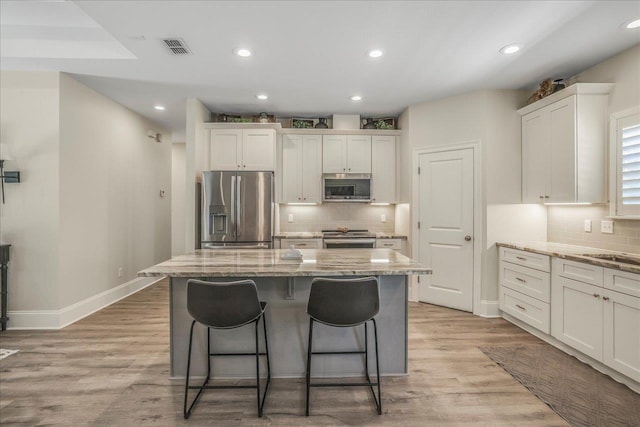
(418, 225)
(418, 279)
(418, 170)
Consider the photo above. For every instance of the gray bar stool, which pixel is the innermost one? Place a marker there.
(345, 303)
(225, 306)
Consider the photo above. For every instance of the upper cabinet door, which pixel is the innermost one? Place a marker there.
(291, 167)
(311, 171)
(258, 150)
(383, 169)
(334, 154)
(534, 156)
(359, 154)
(223, 149)
(562, 150)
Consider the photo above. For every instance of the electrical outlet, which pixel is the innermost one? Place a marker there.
(120, 272)
(290, 217)
(606, 226)
(587, 225)
(383, 218)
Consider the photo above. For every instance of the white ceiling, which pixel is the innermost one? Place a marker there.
(309, 57)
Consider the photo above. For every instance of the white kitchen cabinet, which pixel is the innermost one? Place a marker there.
(346, 154)
(577, 315)
(241, 149)
(622, 333)
(383, 169)
(564, 146)
(302, 169)
(525, 287)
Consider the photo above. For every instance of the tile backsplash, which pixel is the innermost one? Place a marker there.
(565, 224)
(329, 216)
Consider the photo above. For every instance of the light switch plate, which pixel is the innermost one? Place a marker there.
(290, 217)
(383, 218)
(606, 226)
(587, 225)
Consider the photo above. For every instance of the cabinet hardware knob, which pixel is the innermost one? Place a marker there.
(605, 298)
(521, 307)
(244, 166)
(521, 280)
(467, 238)
(521, 258)
(546, 197)
(596, 295)
(542, 197)
(304, 198)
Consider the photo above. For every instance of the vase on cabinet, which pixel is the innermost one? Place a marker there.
(369, 124)
(322, 123)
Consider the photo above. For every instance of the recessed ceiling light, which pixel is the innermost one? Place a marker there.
(262, 97)
(374, 53)
(159, 107)
(510, 48)
(633, 25)
(242, 52)
(356, 98)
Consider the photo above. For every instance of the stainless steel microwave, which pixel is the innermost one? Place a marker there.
(346, 187)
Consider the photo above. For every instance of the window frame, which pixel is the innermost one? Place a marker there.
(615, 151)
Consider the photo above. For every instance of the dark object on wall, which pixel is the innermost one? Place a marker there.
(322, 123)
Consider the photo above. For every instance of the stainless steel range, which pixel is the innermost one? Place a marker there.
(332, 239)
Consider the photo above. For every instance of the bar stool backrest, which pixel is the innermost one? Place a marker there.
(344, 302)
(223, 305)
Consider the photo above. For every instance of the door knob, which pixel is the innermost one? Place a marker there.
(467, 238)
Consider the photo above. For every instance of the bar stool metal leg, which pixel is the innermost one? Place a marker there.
(187, 412)
(309, 364)
(379, 401)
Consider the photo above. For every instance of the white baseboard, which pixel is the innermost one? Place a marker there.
(489, 309)
(58, 319)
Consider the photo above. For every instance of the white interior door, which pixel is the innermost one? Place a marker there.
(445, 188)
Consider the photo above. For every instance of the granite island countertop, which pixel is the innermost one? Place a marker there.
(318, 235)
(581, 254)
(267, 263)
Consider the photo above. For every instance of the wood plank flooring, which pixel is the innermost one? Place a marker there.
(112, 369)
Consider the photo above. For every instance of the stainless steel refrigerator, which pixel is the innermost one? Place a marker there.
(237, 209)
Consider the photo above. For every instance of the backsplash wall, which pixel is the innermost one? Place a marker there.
(565, 224)
(329, 216)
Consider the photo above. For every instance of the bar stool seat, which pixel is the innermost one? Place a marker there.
(345, 303)
(225, 305)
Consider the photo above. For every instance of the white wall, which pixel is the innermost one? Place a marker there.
(111, 174)
(29, 113)
(89, 202)
(178, 175)
(197, 114)
(490, 117)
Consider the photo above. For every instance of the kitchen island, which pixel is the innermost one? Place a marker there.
(285, 285)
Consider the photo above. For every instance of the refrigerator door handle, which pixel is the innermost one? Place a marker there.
(239, 208)
(233, 206)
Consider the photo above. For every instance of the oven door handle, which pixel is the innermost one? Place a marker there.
(349, 241)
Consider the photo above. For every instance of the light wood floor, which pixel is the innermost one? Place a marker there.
(112, 369)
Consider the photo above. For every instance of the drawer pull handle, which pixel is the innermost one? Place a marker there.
(605, 298)
(521, 258)
(521, 280)
(596, 295)
(302, 244)
(388, 244)
(521, 307)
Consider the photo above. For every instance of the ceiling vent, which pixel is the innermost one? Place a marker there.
(177, 46)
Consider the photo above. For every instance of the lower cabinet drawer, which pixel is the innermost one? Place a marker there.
(622, 281)
(580, 271)
(529, 310)
(533, 283)
(395, 244)
(302, 243)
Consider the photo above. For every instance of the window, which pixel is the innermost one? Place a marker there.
(625, 164)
